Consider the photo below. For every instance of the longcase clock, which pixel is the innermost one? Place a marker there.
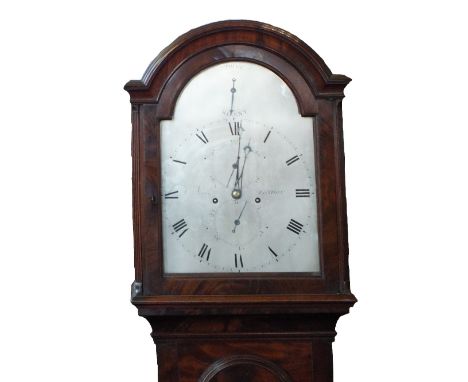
(241, 255)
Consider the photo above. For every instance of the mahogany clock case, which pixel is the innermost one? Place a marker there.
(318, 93)
(241, 326)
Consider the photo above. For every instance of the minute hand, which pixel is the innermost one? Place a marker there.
(235, 166)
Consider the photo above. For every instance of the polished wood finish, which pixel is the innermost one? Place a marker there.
(241, 327)
(256, 347)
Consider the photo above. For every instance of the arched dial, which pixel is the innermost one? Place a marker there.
(238, 176)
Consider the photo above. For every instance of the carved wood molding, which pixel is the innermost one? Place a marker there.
(242, 32)
(244, 360)
(176, 305)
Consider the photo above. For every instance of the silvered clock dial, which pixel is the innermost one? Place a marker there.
(238, 176)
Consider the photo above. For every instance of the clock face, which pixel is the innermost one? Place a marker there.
(238, 176)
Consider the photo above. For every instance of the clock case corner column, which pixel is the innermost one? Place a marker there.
(145, 149)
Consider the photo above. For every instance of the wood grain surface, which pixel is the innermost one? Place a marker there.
(252, 326)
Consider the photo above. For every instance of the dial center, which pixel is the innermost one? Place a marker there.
(236, 193)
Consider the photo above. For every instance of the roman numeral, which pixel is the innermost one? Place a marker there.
(290, 161)
(172, 195)
(238, 261)
(264, 141)
(203, 251)
(235, 128)
(295, 226)
(302, 193)
(273, 253)
(179, 161)
(180, 226)
(202, 137)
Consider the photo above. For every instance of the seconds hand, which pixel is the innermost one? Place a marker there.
(237, 221)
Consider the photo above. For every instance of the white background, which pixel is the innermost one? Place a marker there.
(65, 206)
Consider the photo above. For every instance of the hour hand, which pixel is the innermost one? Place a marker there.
(234, 167)
(247, 151)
